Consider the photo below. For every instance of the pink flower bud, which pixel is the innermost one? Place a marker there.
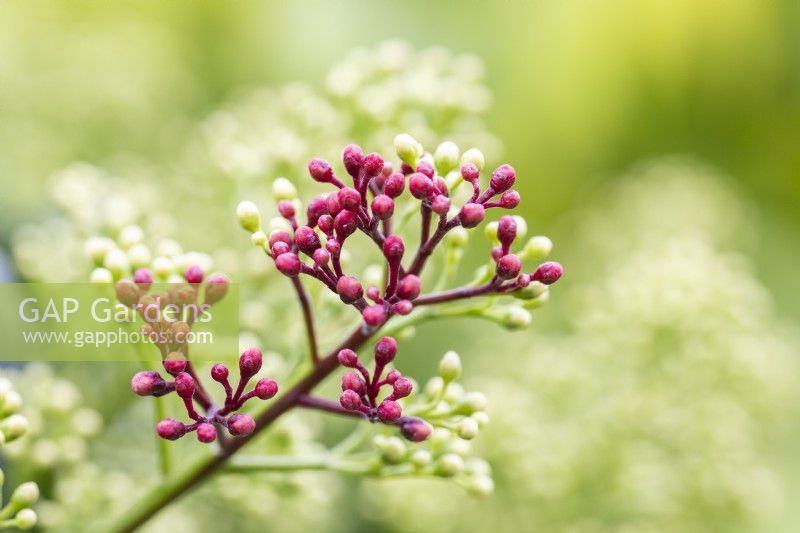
(523, 280)
(424, 167)
(440, 185)
(508, 266)
(351, 381)
(406, 169)
(194, 274)
(416, 429)
(374, 294)
(394, 185)
(503, 178)
(250, 362)
(353, 159)
(288, 264)
(143, 278)
(216, 288)
(332, 203)
(385, 350)
(389, 411)
(286, 208)
(266, 388)
(373, 164)
(470, 172)
(409, 287)
(420, 185)
(184, 385)
(350, 400)
(374, 315)
(349, 198)
(349, 289)
(345, 224)
(321, 256)
(393, 376)
(333, 246)
(206, 432)
(402, 387)
(320, 170)
(147, 383)
(306, 239)
(403, 307)
(219, 372)
(471, 215)
(347, 358)
(279, 248)
(548, 273)
(240, 425)
(440, 204)
(127, 292)
(506, 230)
(316, 208)
(279, 235)
(325, 223)
(171, 429)
(393, 249)
(509, 199)
(175, 364)
(382, 206)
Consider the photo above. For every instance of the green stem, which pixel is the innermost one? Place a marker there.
(352, 465)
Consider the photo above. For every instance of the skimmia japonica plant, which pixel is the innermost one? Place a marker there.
(447, 194)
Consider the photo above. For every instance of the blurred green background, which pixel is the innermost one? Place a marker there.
(632, 125)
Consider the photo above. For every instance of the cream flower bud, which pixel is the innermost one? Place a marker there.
(434, 386)
(283, 189)
(98, 247)
(139, 255)
(393, 450)
(446, 157)
(408, 149)
(491, 232)
(26, 494)
(481, 418)
(457, 237)
(163, 267)
(449, 465)
(467, 429)
(117, 262)
(481, 486)
(26, 519)
(10, 402)
(537, 247)
(130, 235)
(421, 458)
(259, 238)
(14, 426)
(522, 226)
(168, 248)
(249, 216)
(450, 367)
(474, 156)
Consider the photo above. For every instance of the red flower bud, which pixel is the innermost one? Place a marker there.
(471, 215)
(175, 364)
(374, 315)
(389, 411)
(509, 199)
(332, 203)
(250, 362)
(420, 185)
(194, 274)
(409, 287)
(402, 387)
(216, 288)
(351, 381)
(424, 167)
(171, 429)
(345, 224)
(288, 264)
(306, 239)
(353, 159)
(219, 372)
(320, 170)
(393, 249)
(347, 358)
(382, 206)
(321, 256)
(325, 223)
(503, 178)
(350, 400)
(506, 231)
(508, 266)
(548, 273)
(403, 307)
(279, 248)
(440, 204)
(143, 278)
(333, 246)
(349, 289)
(416, 429)
(239, 425)
(385, 350)
(394, 185)
(266, 388)
(393, 376)
(373, 164)
(286, 208)
(206, 432)
(316, 208)
(470, 172)
(184, 385)
(147, 383)
(349, 198)
(279, 235)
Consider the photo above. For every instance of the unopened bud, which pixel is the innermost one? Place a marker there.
(446, 157)
(450, 367)
(249, 216)
(240, 425)
(283, 189)
(408, 149)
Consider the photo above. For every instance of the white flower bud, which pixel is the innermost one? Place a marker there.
(163, 267)
(408, 149)
(446, 157)
(449, 465)
(433, 388)
(457, 237)
(97, 248)
(249, 217)
(475, 401)
(393, 450)
(117, 262)
(26, 494)
(11, 402)
(14, 426)
(101, 275)
(474, 156)
(490, 230)
(467, 429)
(480, 418)
(481, 486)
(283, 189)
(139, 255)
(259, 238)
(511, 316)
(26, 519)
(522, 226)
(537, 247)
(130, 235)
(450, 367)
(421, 458)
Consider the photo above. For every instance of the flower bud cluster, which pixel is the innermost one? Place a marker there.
(186, 385)
(12, 424)
(17, 512)
(361, 389)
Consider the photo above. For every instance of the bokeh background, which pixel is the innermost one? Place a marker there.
(656, 143)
